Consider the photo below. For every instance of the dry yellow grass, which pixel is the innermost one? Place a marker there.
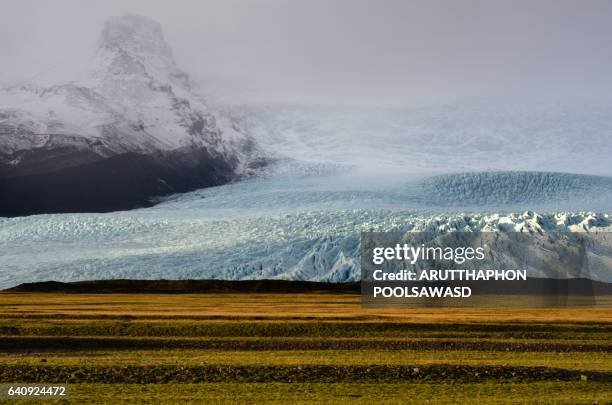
(571, 360)
(301, 348)
(274, 306)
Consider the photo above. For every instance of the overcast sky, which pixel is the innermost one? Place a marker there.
(374, 51)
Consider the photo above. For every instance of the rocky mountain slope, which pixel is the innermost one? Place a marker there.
(132, 127)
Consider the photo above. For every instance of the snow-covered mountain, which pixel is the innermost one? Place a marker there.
(134, 111)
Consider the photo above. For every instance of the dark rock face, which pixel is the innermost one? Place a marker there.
(188, 286)
(119, 182)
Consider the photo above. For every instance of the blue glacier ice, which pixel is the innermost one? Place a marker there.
(333, 173)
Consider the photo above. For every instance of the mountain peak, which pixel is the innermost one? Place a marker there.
(133, 46)
(136, 35)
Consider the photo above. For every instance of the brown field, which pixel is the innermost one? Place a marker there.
(301, 348)
(273, 307)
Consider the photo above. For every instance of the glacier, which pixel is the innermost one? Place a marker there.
(334, 172)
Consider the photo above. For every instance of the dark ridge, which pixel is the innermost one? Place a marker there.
(120, 182)
(186, 286)
(269, 343)
(533, 286)
(292, 374)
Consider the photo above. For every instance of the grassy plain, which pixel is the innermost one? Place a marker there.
(301, 348)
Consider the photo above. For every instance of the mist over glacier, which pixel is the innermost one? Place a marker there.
(332, 173)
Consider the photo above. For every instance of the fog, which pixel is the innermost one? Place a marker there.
(338, 51)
